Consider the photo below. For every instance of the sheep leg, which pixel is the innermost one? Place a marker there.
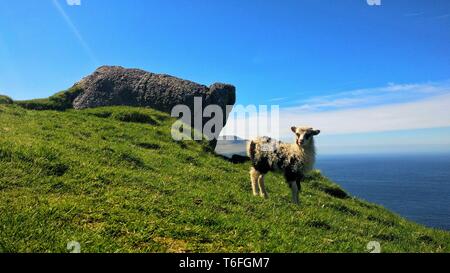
(295, 190)
(254, 176)
(262, 187)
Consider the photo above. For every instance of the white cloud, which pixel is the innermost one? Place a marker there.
(359, 98)
(390, 108)
(427, 113)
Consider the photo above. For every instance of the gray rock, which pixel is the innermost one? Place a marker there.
(115, 85)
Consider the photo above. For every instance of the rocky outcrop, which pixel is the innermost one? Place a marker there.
(115, 85)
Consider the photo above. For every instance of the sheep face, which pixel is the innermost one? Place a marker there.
(304, 135)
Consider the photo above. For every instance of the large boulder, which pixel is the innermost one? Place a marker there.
(115, 85)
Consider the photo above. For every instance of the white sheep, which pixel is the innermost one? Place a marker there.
(294, 160)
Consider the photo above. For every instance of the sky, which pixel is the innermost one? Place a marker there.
(372, 78)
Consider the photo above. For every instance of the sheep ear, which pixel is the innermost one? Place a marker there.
(294, 129)
(316, 132)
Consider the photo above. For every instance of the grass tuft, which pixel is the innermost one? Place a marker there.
(134, 116)
(58, 102)
(5, 100)
(330, 189)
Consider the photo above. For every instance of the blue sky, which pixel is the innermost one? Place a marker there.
(316, 59)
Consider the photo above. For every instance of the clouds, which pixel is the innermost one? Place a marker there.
(431, 112)
(389, 108)
(361, 98)
(393, 107)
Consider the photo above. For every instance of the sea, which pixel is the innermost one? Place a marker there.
(415, 186)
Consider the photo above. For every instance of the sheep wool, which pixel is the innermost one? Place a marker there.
(293, 160)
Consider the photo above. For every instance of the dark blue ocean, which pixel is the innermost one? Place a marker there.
(414, 186)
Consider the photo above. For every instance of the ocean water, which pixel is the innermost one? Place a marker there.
(414, 186)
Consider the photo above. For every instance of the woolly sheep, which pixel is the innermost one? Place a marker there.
(294, 160)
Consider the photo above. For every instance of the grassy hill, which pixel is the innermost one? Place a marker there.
(115, 181)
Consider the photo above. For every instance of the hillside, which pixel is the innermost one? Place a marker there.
(114, 180)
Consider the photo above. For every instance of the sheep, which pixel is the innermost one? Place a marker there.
(294, 160)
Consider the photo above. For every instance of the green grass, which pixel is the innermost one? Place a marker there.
(60, 101)
(5, 100)
(115, 181)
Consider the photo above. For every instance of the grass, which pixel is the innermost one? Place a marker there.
(5, 100)
(113, 180)
(60, 101)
